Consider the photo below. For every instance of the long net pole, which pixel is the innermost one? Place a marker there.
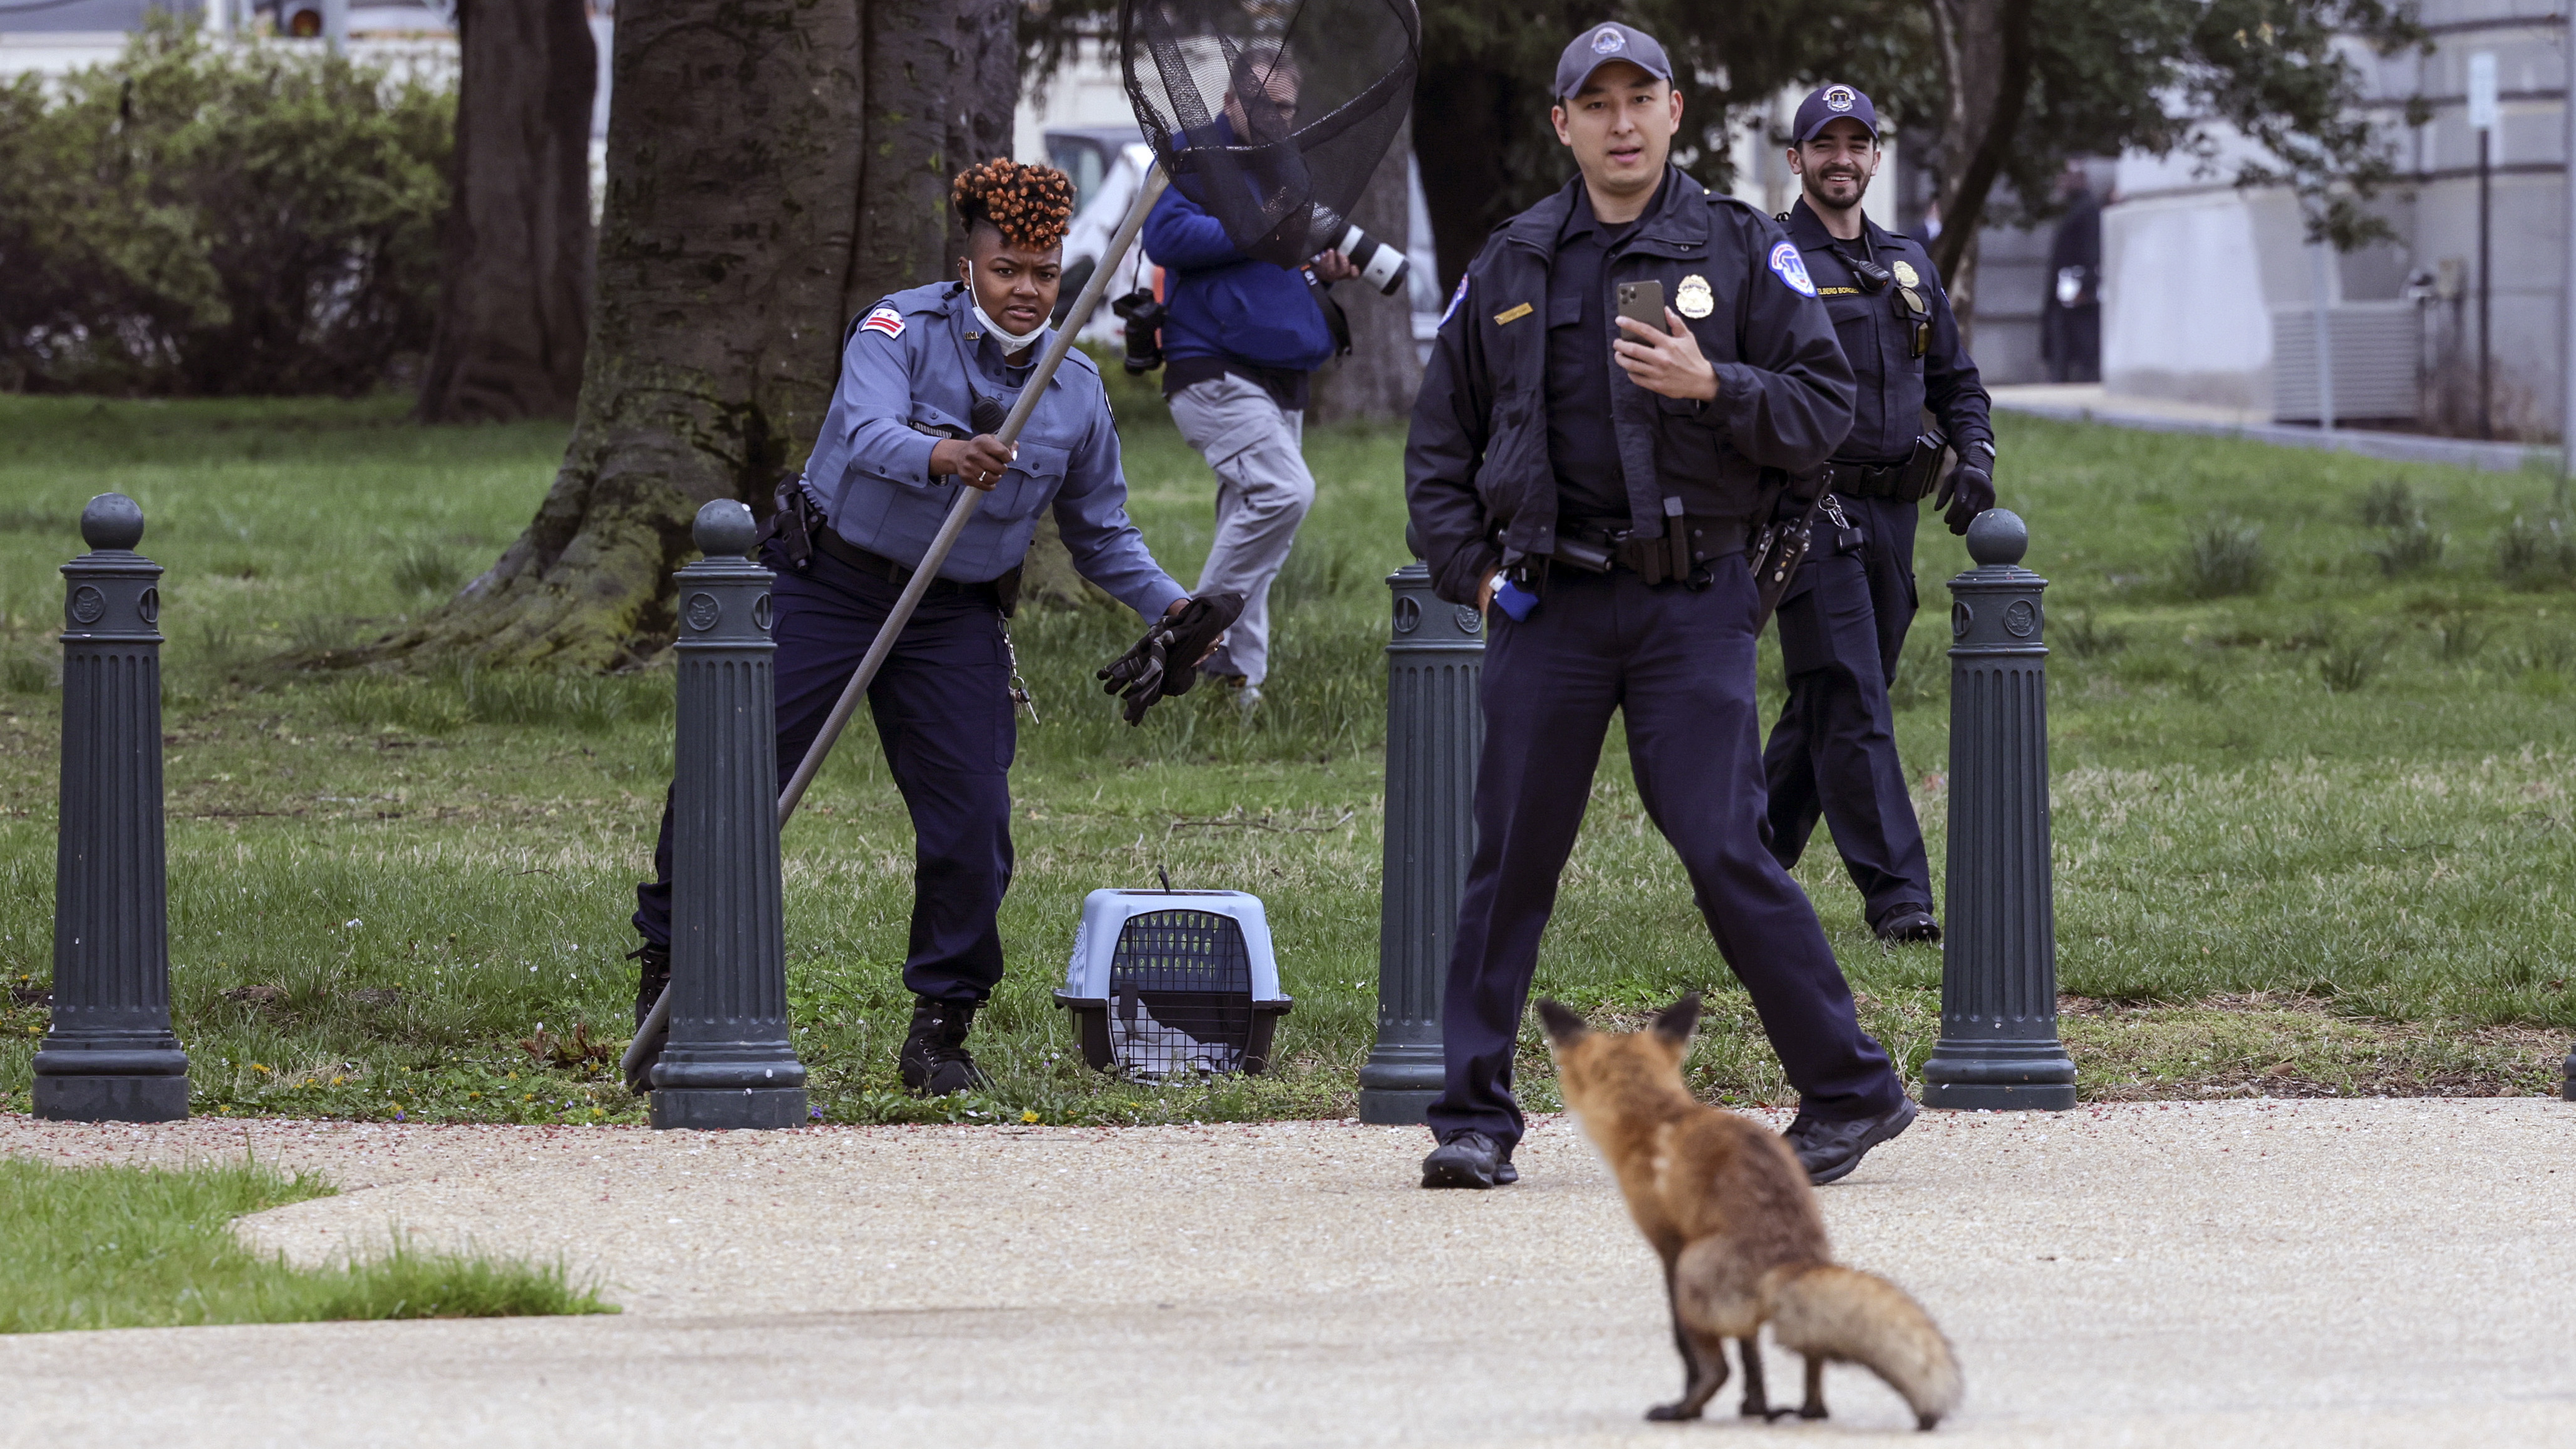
(968, 499)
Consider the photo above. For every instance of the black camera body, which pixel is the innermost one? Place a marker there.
(1144, 316)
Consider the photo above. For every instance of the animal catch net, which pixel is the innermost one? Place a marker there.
(1271, 114)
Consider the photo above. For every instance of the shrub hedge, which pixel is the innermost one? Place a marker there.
(201, 218)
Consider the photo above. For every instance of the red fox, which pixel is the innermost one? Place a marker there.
(1728, 1209)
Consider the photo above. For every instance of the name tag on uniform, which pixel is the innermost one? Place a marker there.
(1838, 291)
(1513, 315)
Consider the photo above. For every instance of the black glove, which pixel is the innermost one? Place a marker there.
(1967, 492)
(1166, 661)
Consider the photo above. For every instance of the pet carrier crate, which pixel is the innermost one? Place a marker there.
(1170, 983)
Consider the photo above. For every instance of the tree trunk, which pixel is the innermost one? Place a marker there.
(514, 287)
(1048, 580)
(1378, 380)
(773, 166)
(1985, 52)
(1961, 280)
(1461, 112)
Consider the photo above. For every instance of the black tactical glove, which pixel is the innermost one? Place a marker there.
(1967, 492)
(1166, 661)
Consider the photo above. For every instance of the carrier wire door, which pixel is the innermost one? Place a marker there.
(1174, 984)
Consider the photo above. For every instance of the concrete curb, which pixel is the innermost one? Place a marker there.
(2394, 447)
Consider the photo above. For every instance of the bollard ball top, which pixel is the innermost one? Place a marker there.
(1998, 537)
(725, 529)
(112, 520)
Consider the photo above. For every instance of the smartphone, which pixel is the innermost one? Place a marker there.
(1643, 301)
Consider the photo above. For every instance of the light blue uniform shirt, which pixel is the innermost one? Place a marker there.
(912, 359)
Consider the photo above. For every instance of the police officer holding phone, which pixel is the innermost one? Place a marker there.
(1844, 617)
(1594, 478)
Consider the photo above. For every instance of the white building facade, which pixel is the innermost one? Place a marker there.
(2212, 295)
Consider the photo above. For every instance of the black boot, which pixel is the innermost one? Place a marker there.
(935, 1062)
(653, 976)
(1908, 925)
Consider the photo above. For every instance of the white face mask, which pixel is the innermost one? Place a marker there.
(1011, 341)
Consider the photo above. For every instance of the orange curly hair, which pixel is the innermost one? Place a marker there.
(1030, 205)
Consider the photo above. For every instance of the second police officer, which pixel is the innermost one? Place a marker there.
(1844, 617)
(1597, 486)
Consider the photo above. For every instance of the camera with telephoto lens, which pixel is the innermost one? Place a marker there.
(1381, 266)
(1144, 318)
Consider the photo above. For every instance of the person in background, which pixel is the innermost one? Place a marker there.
(1241, 339)
(1844, 617)
(2070, 318)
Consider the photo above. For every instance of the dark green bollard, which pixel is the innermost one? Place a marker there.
(1434, 729)
(729, 1062)
(110, 1056)
(1999, 1047)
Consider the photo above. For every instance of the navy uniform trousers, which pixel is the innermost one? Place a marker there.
(943, 714)
(1833, 752)
(1679, 664)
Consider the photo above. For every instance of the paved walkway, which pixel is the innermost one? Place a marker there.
(2089, 402)
(2293, 1273)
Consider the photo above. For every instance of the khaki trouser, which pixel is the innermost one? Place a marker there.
(1262, 493)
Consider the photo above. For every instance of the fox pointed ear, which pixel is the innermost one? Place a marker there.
(1564, 1028)
(1674, 1022)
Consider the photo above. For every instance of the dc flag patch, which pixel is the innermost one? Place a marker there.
(1455, 298)
(890, 322)
(1792, 268)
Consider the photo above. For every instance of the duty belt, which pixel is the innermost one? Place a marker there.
(1863, 480)
(878, 566)
(1597, 547)
(1907, 481)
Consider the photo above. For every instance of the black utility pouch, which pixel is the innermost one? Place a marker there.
(792, 523)
(1581, 553)
(1915, 316)
(1922, 468)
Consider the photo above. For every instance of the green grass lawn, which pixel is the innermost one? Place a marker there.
(2314, 835)
(135, 1247)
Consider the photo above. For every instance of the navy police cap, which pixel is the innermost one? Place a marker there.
(1827, 104)
(1603, 44)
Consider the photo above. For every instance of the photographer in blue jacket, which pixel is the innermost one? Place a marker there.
(1240, 340)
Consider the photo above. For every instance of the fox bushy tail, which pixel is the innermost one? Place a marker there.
(1844, 1314)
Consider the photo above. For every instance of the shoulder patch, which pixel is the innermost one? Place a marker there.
(885, 320)
(1455, 298)
(1791, 268)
